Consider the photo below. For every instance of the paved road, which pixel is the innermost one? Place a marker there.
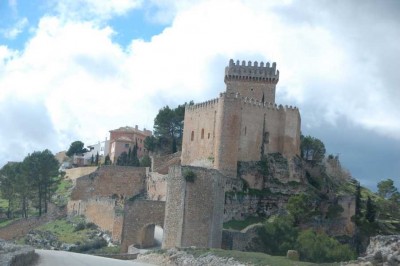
(64, 258)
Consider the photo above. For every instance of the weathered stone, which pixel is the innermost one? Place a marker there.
(293, 255)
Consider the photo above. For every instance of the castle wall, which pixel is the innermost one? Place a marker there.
(194, 207)
(108, 219)
(139, 217)
(121, 181)
(156, 186)
(199, 134)
(227, 135)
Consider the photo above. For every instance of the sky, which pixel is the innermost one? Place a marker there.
(73, 70)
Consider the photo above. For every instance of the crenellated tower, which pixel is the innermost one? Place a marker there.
(257, 81)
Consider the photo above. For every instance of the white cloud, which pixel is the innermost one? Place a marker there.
(15, 30)
(94, 9)
(88, 84)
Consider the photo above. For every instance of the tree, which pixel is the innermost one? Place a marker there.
(312, 149)
(168, 127)
(7, 185)
(96, 161)
(300, 207)
(150, 143)
(319, 247)
(279, 235)
(370, 213)
(107, 160)
(145, 161)
(76, 147)
(386, 188)
(122, 159)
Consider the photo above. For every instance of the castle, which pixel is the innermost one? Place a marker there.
(243, 124)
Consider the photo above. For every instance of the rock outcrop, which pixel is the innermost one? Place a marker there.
(16, 255)
(382, 251)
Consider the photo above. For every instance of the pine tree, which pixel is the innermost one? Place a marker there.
(371, 211)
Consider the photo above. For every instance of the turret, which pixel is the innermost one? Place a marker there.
(253, 80)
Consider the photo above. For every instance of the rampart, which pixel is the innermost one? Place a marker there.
(108, 219)
(160, 164)
(194, 208)
(107, 181)
(140, 218)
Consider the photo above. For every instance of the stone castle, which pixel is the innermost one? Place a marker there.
(190, 194)
(243, 124)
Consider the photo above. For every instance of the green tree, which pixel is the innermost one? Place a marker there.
(7, 186)
(318, 247)
(122, 159)
(300, 207)
(150, 143)
(312, 149)
(107, 160)
(145, 161)
(386, 188)
(370, 212)
(168, 127)
(76, 147)
(96, 161)
(279, 235)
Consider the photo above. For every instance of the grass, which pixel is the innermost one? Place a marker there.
(254, 258)
(6, 222)
(65, 231)
(63, 192)
(239, 225)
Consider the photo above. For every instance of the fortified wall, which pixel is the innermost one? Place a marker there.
(243, 124)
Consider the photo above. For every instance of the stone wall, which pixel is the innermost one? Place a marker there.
(74, 173)
(139, 217)
(194, 209)
(247, 239)
(105, 212)
(156, 186)
(107, 181)
(161, 164)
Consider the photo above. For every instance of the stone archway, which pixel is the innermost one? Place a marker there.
(149, 236)
(140, 220)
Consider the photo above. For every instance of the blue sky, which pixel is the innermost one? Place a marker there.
(76, 69)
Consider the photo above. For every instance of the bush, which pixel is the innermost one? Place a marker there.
(80, 226)
(95, 244)
(279, 235)
(189, 176)
(319, 247)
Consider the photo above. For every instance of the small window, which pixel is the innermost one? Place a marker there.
(192, 136)
(208, 135)
(245, 131)
(126, 145)
(202, 133)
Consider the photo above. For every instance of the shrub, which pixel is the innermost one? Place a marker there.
(319, 247)
(189, 176)
(80, 226)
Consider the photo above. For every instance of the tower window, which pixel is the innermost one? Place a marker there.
(245, 131)
(202, 133)
(192, 136)
(208, 135)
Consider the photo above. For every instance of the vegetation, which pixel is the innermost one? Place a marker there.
(30, 183)
(189, 175)
(312, 149)
(240, 225)
(253, 258)
(130, 158)
(168, 130)
(76, 147)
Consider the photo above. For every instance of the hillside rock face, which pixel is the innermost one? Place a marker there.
(384, 250)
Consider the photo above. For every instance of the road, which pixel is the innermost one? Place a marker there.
(64, 258)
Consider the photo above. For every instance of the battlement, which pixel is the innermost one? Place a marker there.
(256, 103)
(252, 71)
(206, 104)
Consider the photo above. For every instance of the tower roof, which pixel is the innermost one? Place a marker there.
(251, 71)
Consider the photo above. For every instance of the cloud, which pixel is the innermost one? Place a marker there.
(98, 10)
(333, 64)
(16, 29)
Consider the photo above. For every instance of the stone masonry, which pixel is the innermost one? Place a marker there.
(243, 124)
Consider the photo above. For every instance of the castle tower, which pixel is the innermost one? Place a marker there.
(257, 81)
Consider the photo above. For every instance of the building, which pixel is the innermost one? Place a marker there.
(243, 123)
(123, 138)
(102, 148)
